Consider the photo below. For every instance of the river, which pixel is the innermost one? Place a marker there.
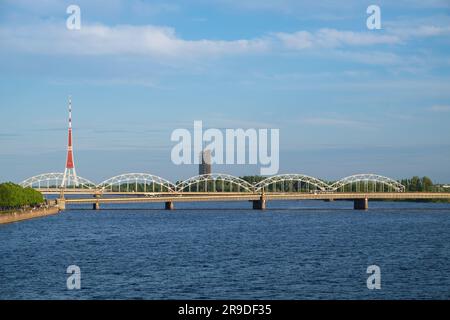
(293, 250)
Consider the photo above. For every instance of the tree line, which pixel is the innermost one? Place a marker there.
(414, 184)
(13, 196)
(417, 184)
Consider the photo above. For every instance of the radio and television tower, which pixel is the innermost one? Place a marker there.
(70, 175)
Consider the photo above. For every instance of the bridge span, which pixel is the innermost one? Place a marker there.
(259, 201)
(148, 188)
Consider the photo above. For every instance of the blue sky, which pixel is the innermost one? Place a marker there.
(346, 99)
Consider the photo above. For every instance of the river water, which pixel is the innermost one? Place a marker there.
(293, 250)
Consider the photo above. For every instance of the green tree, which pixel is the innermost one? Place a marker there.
(427, 184)
(14, 196)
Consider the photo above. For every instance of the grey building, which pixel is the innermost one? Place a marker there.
(205, 162)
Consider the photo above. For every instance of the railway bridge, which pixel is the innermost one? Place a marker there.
(149, 188)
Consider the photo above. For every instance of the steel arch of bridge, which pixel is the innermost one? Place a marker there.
(319, 184)
(138, 180)
(217, 179)
(147, 182)
(368, 178)
(53, 180)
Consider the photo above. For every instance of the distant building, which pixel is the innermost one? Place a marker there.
(205, 162)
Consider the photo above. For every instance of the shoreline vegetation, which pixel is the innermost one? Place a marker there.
(16, 198)
(17, 203)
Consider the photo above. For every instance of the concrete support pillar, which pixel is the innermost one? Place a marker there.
(96, 205)
(169, 205)
(361, 204)
(61, 203)
(259, 204)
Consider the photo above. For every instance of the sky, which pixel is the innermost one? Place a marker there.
(346, 99)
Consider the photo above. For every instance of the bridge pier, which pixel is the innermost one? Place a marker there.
(169, 205)
(61, 203)
(259, 204)
(96, 205)
(361, 204)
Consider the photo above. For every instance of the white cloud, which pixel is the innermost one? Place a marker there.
(422, 31)
(332, 38)
(297, 41)
(163, 42)
(440, 108)
(335, 38)
(371, 57)
(153, 41)
(431, 31)
(307, 7)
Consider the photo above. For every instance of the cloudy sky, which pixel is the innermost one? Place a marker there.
(346, 99)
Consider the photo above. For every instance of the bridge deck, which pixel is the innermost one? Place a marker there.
(211, 197)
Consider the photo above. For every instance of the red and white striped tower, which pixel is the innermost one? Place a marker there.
(70, 175)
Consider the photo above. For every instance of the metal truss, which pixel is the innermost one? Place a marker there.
(144, 182)
(54, 181)
(213, 182)
(300, 178)
(217, 182)
(374, 179)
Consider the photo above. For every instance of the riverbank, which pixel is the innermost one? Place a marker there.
(14, 216)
